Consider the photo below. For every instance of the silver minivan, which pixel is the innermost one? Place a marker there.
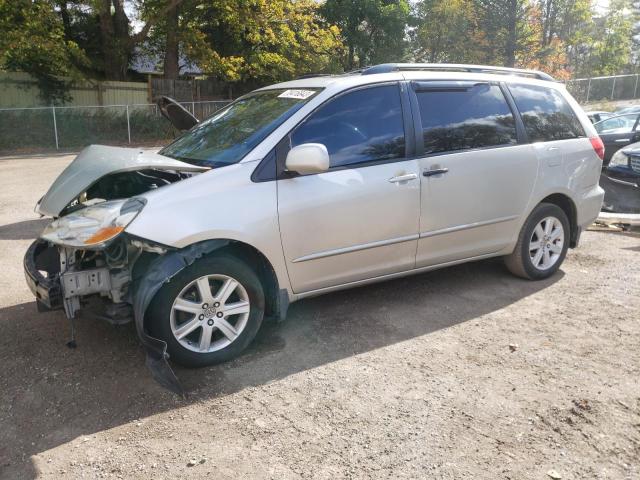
(314, 185)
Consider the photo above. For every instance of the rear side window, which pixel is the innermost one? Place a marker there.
(357, 127)
(619, 124)
(546, 114)
(462, 119)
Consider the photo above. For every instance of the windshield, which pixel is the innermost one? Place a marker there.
(228, 135)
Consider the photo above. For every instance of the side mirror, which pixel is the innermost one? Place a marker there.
(308, 158)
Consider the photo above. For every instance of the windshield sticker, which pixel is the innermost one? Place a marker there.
(298, 94)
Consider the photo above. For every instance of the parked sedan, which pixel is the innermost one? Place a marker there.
(621, 181)
(617, 132)
(630, 109)
(598, 115)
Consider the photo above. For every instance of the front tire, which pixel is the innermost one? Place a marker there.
(542, 243)
(209, 312)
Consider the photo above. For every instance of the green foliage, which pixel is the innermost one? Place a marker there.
(562, 37)
(32, 40)
(373, 31)
(260, 40)
(446, 31)
(249, 43)
(610, 51)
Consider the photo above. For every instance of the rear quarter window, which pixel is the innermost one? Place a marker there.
(545, 113)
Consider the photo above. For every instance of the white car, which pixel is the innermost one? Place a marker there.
(316, 185)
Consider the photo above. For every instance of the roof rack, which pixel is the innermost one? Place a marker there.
(448, 67)
(313, 75)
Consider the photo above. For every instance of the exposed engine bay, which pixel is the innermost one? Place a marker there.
(125, 185)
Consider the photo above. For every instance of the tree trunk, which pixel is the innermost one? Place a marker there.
(171, 67)
(512, 34)
(116, 46)
(350, 58)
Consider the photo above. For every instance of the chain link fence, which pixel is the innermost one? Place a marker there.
(41, 129)
(598, 89)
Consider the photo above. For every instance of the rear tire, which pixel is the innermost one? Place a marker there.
(209, 312)
(542, 243)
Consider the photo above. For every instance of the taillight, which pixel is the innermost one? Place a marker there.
(598, 146)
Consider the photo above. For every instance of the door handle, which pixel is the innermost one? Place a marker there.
(435, 171)
(620, 140)
(552, 149)
(403, 178)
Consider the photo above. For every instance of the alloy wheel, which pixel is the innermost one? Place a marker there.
(545, 245)
(210, 313)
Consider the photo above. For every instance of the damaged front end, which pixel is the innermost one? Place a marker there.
(93, 257)
(100, 280)
(85, 261)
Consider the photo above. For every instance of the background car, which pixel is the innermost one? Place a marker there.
(617, 132)
(599, 115)
(621, 181)
(629, 109)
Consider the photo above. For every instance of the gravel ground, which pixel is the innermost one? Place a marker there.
(466, 372)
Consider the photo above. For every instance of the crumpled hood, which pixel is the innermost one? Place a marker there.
(97, 161)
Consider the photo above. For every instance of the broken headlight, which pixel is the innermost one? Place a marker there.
(94, 226)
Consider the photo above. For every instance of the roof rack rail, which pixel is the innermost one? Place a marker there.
(313, 75)
(448, 67)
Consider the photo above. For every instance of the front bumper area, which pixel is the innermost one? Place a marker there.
(40, 257)
(622, 187)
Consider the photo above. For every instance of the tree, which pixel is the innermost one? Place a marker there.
(33, 41)
(635, 48)
(446, 31)
(539, 53)
(171, 50)
(372, 30)
(611, 52)
(505, 30)
(259, 40)
(118, 43)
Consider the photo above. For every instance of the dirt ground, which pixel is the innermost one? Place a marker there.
(465, 372)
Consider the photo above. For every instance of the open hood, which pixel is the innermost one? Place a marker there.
(97, 162)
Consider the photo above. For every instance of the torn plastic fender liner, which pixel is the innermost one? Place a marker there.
(161, 271)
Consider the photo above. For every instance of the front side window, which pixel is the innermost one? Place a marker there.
(455, 120)
(621, 124)
(545, 113)
(357, 127)
(227, 136)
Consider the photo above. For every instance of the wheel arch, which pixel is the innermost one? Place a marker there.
(567, 205)
(276, 295)
(258, 261)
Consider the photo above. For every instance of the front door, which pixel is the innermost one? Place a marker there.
(476, 178)
(360, 219)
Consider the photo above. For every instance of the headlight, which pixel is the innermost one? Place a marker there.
(619, 159)
(94, 226)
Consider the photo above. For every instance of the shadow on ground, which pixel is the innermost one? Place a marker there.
(50, 395)
(25, 230)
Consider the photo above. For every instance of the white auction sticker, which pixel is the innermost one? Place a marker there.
(299, 94)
